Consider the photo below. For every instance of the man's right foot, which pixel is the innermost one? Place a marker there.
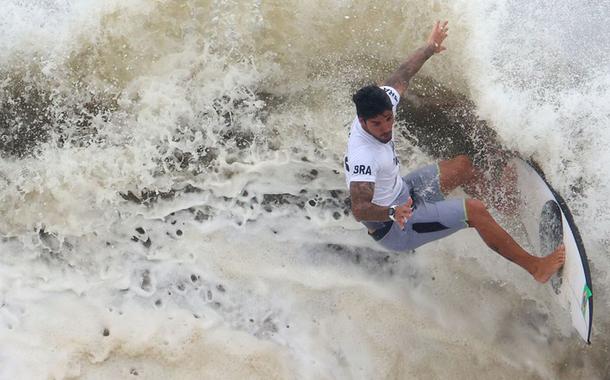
(547, 266)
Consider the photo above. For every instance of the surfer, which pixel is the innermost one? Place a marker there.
(403, 213)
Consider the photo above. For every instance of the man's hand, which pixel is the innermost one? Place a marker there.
(399, 80)
(403, 213)
(438, 35)
(364, 209)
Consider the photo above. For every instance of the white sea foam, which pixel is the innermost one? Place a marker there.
(173, 205)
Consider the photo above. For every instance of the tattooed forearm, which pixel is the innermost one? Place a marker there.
(401, 77)
(362, 206)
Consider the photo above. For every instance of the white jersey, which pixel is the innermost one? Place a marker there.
(369, 160)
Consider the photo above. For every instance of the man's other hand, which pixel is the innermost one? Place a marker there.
(403, 213)
(438, 35)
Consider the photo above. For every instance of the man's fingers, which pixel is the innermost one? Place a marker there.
(402, 221)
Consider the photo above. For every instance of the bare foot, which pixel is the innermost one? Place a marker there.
(547, 266)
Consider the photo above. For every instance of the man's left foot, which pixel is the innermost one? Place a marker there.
(547, 266)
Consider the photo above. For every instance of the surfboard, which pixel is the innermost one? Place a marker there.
(548, 222)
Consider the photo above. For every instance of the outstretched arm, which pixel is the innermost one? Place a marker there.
(401, 77)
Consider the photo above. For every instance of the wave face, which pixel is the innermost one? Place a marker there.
(173, 203)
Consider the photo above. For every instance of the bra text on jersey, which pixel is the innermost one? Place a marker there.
(362, 169)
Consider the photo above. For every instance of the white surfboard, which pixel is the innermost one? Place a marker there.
(548, 221)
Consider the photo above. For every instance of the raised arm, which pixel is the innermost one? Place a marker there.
(401, 77)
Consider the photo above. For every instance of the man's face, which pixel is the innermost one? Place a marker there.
(380, 126)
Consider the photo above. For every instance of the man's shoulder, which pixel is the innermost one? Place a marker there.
(359, 142)
(357, 135)
(360, 149)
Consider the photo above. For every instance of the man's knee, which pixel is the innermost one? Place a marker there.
(477, 212)
(463, 163)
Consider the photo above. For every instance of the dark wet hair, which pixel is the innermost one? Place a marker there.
(371, 101)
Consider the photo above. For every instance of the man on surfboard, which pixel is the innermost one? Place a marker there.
(403, 213)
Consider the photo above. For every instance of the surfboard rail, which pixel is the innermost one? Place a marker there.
(588, 291)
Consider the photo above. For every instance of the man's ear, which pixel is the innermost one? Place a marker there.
(362, 121)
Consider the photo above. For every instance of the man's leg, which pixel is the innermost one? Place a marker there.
(453, 173)
(542, 268)
(459, 171)
(456, 172)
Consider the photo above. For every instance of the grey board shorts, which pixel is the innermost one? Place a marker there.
(434, 217)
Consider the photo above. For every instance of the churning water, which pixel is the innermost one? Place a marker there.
(173, 204)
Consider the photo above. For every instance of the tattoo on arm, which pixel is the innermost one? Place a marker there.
(401, 77)
(362, 195)
(362, 206)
